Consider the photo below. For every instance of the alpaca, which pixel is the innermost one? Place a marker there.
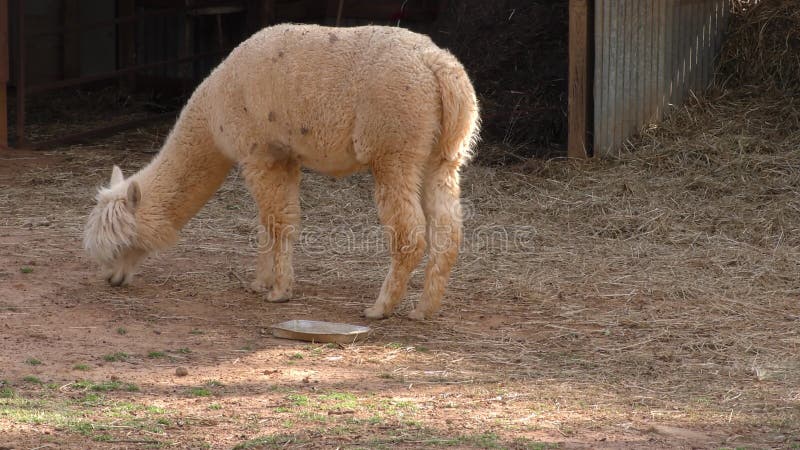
(332, 100)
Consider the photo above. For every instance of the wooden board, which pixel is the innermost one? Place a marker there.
(4, 71)
(579, 79)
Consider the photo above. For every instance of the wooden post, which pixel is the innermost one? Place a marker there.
(126, 42)
(3, 73)
(339, 13)
(580, 80)
(71, 50)
(20, 79)
(260, 13)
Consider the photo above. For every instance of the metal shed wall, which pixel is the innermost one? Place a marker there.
(649, 54)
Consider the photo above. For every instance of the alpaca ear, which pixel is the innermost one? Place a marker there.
(134, 195)
(116, 176)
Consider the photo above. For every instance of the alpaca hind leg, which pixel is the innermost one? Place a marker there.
(440, 200)
(276, 188)
(400, 211)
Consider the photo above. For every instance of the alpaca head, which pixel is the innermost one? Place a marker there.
(111, 236)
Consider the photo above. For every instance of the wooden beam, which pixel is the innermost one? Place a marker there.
(71, 48)
(4, 71)
(339, 13)
(126, 42)
(260, 13)
(580, 80)
(20, 76)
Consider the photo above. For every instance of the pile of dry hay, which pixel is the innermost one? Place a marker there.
(751, 110)
(763, 45)
(739, 141)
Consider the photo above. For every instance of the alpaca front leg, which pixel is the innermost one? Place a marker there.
(275, 187)
(284, 272)
(265, 267)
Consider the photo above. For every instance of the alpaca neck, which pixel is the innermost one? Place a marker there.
(180, 180)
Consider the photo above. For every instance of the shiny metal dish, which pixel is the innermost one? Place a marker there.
(316, 331)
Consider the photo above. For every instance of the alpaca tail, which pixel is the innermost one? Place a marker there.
(460, 117)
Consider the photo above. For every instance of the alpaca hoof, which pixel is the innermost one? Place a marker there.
(417, 314)
(118, 280)
(374, 312)
(276, 296)
(258, 286)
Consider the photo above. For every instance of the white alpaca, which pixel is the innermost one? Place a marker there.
(334, 100)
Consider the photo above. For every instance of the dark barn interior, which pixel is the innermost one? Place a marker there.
(92, 67)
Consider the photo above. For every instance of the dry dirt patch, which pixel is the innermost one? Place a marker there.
(647, 301)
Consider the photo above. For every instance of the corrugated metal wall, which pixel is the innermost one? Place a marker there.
(649, 54)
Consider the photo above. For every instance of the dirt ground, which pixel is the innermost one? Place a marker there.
(648, 301)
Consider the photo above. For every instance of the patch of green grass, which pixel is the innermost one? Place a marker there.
(83, 427)
(425, 437)
(394, 407)
(395, 345)
(26, 269)
(155, 409)
(124, 408)
(6, 392)
(196, 331)
(32, 379)
(529, 444)
(215, 406)
(272, 441)
(122, 331)
(33, 362)
(82, 367)
(314, 416)
(156, 355)
(298, 399)
(92, 399)
(83, 384)
(116, 357)
(21, 410)
(74, 416)
(104, 437)
(485, 440)
(339, 430)
(105, 386)
(199, 392)
(296, 356)
(282, 409)
(340, 400)
(183, 350)
(214, 383)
